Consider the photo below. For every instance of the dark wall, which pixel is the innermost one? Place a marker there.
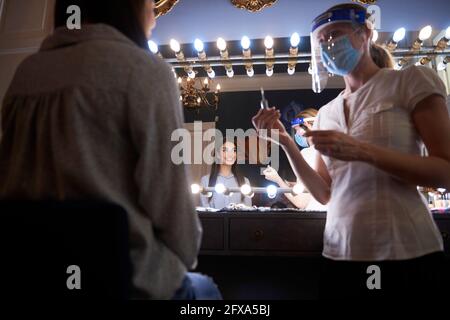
(236, 110)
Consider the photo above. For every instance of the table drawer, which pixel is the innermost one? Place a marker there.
(213, 234)
(284, 235)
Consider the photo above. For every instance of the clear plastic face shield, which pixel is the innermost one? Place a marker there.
(321, 42)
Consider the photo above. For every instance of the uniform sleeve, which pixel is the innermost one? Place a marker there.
(418, 83)
(154, 112)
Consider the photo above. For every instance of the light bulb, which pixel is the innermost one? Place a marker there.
(375, 35)
(211, 73)
(230, 73)
(269, 72)
(291, 71)
(195, 188)
(153, 47)
(250, 72)
(206, 82)
(399, 35)
(246, 189)
(268, 42)
(191, 74)
(271, 191)
(218, 88)
(295, 40)
(298, 188)
(180, 80)
(221, 44)
(175, 45)
(220, 188)
(447, 33)
(425, 33)
(198, 44)
(245, 43)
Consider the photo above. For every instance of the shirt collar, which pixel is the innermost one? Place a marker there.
(63, 37)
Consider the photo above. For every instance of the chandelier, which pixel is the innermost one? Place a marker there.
(197, 94)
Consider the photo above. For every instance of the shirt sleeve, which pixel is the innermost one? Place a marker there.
(154, 112)
(420, 82)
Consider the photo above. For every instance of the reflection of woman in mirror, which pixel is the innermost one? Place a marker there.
(224, 171)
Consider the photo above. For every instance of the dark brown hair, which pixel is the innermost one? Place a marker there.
(124, 15)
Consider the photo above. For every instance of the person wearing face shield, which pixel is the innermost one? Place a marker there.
(369, 163)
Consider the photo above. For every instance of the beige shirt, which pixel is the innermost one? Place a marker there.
(91, 115)
(371, 214)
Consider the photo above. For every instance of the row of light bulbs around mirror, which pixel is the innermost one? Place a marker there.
(246, 190)
(399, 35)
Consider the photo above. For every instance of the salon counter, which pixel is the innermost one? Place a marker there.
(296, 234)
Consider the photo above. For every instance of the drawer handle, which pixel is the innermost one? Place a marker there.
(445, 235)
(259, 234)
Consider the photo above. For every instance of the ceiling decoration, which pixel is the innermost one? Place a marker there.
(253, 5)
(163, 7)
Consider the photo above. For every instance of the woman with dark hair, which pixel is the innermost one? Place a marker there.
(84, 118)
(369, 164)
(225, 172)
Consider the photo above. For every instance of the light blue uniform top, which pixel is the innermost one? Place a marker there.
(219, 201)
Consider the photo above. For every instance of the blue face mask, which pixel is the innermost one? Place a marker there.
(301, 141)
(346, 58)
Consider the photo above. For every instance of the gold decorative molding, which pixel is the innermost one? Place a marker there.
(163, 7)
(366, 1)
(253, 5)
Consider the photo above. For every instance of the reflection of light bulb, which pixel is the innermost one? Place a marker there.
(195, 188)
(375, 36)
(298, 189)
(447, 33)
(425, 33)
(191, 74)
(295, 40)
(211, 74)
(271, 191)
(175, 45)
(246, 189)
(221, 44)
(250, 72)
(399, 35)
(268, 42)
(269, 72)
(230, 73)
(198, 44)
(291, 71)
(153, 47)
(220, 188)
(245, 43)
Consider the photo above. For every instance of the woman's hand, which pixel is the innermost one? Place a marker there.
(267, 120)
(339, 145)
(272, 175)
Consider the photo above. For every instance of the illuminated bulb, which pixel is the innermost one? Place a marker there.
(230, 73)
(268, 42)
(269, 72)
(218, 88)
(295, 40)
(191, 74)
(399, 35)
(447, 33)
(195, 188)
(291, 71)
(250, 72)
(246, 190)
(271, 191)
(375, 36)
(198, 44)
(425, 33)
(221, 44)
(220, 188)
(211, 74)
(180, 80)
(245, 43)
(175, 45)
(153, 47)
(206, 82)
(298, 188)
